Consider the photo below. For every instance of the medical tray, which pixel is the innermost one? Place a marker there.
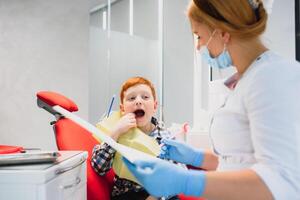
(28, 158)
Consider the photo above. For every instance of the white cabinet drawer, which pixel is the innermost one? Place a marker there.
(66, 185)
(65, 180)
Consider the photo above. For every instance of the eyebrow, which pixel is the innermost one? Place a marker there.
(134, 93)
(131, 93)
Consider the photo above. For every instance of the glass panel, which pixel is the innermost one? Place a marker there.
(297, 6)
(119, 16)
(178, 63)
(125, 48)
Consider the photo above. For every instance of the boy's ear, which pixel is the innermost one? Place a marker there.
(122, 108)
(155, 105)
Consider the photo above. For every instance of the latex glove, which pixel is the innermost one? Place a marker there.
(181, 152)
(125, 123)
(161, 178)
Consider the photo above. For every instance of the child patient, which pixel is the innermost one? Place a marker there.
(138, 104)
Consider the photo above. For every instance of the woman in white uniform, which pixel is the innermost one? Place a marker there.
(256, 132)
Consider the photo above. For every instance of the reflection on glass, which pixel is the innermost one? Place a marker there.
(104, 20)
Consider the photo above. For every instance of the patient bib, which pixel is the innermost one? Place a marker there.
(134, 138)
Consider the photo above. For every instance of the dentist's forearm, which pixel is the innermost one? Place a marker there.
(210, 161)
(239, 185)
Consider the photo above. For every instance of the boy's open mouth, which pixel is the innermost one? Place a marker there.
(139, 113)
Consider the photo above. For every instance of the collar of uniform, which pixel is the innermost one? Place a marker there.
(232, 81)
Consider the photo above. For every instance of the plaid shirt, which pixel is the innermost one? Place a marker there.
(102, 160)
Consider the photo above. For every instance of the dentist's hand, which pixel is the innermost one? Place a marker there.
(161, 178)
(181, 152)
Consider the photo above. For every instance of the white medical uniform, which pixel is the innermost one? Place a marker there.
(258, 127)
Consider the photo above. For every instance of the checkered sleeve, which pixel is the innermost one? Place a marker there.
(102, 158)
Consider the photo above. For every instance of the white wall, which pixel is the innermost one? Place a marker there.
(43, 46)
(280, 34)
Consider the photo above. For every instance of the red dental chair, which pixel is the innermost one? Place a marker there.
(70, 136)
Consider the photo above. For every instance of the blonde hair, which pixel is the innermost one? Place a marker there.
(236, 17)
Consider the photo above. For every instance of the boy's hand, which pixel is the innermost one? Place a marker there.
(126, 122)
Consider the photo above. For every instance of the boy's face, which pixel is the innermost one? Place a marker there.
(139, 100)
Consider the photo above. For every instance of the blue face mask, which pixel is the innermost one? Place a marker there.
(221, 61)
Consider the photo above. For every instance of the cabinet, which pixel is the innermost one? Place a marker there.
(63, 180)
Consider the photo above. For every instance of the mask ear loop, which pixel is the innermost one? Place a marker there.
(219, 70)
(225, 47)
(212, 35)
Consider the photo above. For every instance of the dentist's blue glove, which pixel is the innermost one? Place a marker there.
(161, 178)
(181, 152)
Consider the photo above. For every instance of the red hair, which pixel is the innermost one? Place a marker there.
(136, 81)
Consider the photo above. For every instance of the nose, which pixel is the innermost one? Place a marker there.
(198, 46)
(138, 101)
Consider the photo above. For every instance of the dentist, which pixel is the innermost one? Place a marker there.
(256, 133)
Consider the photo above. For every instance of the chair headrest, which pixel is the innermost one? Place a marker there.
(53, 99)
